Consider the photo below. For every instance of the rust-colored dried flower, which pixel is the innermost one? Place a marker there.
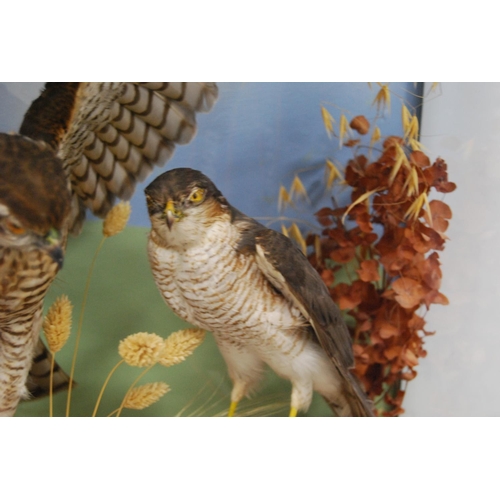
(141, 349)
(392, 141)
(379, 256)
(57, 323)
(117, 219)
(145, 395)
(179, 345)
(360, 124)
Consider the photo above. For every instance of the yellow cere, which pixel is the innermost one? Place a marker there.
(170, 207)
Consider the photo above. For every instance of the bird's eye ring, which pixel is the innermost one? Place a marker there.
(14, 228)
(197, 195)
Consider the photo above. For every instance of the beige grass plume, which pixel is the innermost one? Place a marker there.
(114, 223)
(145, 395)
(141, 349)
(117, 219)
(57, 323)
(179, 345)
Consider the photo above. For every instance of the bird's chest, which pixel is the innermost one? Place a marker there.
(24, 280)
(219, 289)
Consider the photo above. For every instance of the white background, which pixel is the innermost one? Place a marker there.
(461, 373)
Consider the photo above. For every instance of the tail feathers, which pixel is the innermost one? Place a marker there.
(353, 401)
(38, 383)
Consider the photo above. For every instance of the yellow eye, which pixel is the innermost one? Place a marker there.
(197, 195)
(14, 228)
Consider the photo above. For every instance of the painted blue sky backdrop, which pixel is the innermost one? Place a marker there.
(258, 136)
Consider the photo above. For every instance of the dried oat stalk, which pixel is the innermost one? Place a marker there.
(141, 349)
(57, 323)
(145, 395)
(117, 219)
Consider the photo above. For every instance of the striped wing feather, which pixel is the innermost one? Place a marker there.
(119, 131)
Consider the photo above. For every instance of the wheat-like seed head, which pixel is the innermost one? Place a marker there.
(57, 323)
(117, 219)
(145, 395)
(179, 345)
(141, 349)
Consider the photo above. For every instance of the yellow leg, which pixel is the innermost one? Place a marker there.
(232, 409)
(293, 412)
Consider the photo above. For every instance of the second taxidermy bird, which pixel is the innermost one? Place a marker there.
(254, 290)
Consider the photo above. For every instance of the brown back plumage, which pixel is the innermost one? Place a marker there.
(33, 184)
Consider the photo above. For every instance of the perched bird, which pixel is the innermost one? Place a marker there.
(81, 145)
(254, 290)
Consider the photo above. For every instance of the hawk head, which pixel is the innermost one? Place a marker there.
(181, 202)
(34, 197)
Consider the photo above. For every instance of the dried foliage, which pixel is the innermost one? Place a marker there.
(57, 328)
(179, 345)
(145, 395)
(141, 349)
(145, 350)
(114, 223)
(57, 323)
(379, 255)
(117, 219)
(386, 242)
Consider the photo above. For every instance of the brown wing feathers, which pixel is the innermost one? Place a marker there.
(110, 136)
(289, 270)
(48, 117)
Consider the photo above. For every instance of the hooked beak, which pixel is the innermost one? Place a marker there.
(57, 255)
(171, 214)
(52, 243)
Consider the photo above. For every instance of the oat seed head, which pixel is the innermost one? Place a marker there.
(297, 236)
(57, 323)
(332, 173)
(383, 97)
(141, 349)
(284, 199)
(344, 129)
(298, 189)
(414, 211)
(377, 134)
(145, 395)
(117, 219)
(328, 121)
(179, 345)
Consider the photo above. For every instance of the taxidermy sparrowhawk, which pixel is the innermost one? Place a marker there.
(81, 145)
(254, 290)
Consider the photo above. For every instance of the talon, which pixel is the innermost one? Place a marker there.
(293, 412)
(232, 409)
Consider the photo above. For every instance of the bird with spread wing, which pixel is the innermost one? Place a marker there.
(254, 290)
(81, 146)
